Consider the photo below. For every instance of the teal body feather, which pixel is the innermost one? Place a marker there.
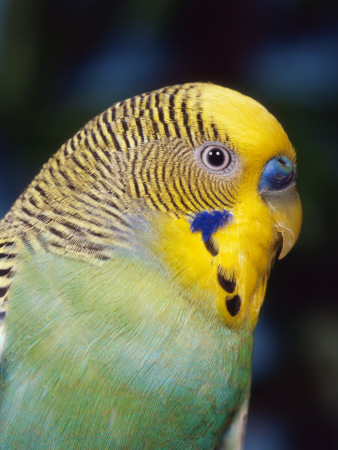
(157, 372)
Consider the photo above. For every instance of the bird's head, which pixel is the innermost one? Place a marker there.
(210, 171)
(223, 174)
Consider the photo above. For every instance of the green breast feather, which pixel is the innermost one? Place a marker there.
(127, 301)
(115, 356)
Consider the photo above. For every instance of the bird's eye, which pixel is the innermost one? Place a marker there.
(214, 157)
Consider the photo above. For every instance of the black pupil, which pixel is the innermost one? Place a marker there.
(216, 157)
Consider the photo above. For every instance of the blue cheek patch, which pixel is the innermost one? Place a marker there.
(209, 221)
(278, 173)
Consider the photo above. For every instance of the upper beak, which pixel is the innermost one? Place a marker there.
(287, 209)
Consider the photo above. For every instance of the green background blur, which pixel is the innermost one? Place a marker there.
(64, 61)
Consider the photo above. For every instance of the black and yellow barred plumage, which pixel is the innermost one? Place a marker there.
(93, 175)
(112, 155)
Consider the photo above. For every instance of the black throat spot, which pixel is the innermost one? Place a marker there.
(233, 305)
(228, 284)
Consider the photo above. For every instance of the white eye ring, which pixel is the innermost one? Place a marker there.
(215, 157)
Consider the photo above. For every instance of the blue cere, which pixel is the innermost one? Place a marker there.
(278, 173)
(209, 221)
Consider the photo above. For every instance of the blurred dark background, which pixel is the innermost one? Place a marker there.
(64, 61)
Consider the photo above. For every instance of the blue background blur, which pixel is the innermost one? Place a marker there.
(64, 61)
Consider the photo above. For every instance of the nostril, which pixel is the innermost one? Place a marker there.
(281, 161)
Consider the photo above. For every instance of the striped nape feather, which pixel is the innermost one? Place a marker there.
(7, 271)
(137, 152)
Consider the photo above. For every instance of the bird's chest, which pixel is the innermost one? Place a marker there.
(130, 362)
(188, 390)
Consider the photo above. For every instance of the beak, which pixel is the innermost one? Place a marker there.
(287, 209)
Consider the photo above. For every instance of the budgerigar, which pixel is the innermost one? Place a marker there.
(132, 272)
